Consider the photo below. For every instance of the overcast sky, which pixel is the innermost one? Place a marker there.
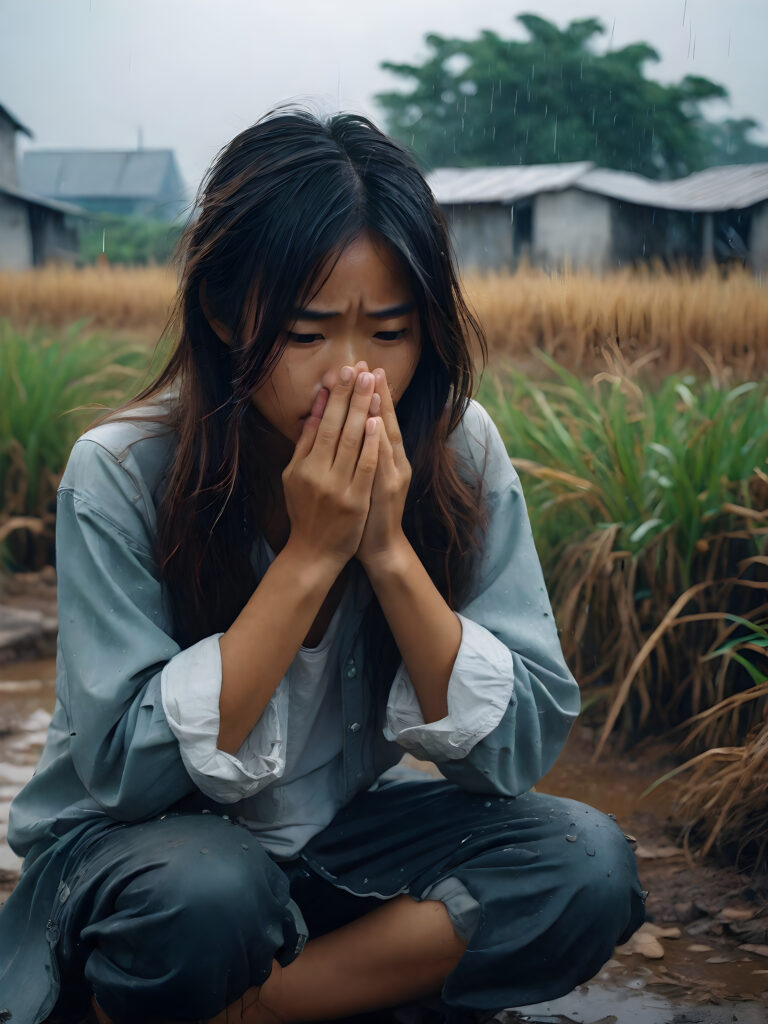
(191, 74)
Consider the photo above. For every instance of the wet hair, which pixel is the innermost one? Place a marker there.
(283, 198)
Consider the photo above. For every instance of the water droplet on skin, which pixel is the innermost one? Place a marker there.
(571, 837)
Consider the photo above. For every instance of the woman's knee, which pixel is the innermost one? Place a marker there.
(195, 921)
(600, 873)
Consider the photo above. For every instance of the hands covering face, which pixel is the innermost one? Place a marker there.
(348, 479)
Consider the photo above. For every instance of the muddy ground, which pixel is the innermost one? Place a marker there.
(701, 959)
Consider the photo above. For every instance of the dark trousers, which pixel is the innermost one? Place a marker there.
(178, 917)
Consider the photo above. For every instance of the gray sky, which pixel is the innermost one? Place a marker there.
(193, 73)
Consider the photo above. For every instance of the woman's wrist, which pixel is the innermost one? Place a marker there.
(393, 561)
(312, 567)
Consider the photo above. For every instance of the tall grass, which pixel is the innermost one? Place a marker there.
(699, 321)
(649, 510)
(125, 298)
(51, 386)
(702, 322)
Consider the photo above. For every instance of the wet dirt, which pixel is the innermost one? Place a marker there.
(703, 976)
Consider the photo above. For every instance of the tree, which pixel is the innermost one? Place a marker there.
(550, 99)
(728, 142)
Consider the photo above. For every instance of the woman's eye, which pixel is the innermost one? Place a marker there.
(392, 335)
(304, 338)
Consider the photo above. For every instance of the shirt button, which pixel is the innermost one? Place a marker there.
(351, 669)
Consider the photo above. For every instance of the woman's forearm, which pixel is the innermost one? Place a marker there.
(263, 640)
(427, 632)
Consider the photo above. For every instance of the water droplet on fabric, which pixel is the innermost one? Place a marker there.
(590, 852)
(571, 837)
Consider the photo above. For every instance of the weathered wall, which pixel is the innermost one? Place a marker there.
(573, 226)
(8, 170)
(758, 242)
(15, 236)
(482, 235)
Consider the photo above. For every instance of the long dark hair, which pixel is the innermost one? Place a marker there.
(279, 200)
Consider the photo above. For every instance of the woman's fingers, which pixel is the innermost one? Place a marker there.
(352, 433)
(311, 423)
(334, 417)
(388, 414)
(365, 471)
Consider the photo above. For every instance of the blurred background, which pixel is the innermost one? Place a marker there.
(603, 167)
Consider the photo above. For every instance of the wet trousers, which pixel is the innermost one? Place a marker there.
(177, 917)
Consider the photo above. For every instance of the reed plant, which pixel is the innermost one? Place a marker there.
(723, 798)
(649, 511)
(52, 384)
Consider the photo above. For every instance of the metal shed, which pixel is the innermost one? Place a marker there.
(143, 182)
(589, 216)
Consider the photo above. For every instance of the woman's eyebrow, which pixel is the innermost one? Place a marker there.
(379, 314)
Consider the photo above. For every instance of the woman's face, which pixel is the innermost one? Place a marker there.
(364, 314)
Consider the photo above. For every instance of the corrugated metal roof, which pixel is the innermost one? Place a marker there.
(718, 188)
(15, 121)
(135, 174)
(50, 204)
(502, 184)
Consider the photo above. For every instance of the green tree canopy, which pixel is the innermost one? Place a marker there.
(550, 99)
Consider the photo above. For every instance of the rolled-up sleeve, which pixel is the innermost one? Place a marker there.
(511, 697)
(191, 687)
(479, 690)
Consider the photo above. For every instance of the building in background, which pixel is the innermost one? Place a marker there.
(34, 229)
(553, 214)
(138, 182)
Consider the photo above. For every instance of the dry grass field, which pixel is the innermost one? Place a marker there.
(705, 322)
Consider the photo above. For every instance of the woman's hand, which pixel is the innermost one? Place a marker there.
(383, 534)
(328, 482)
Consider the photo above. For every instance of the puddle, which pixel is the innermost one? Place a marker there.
(595, 1004)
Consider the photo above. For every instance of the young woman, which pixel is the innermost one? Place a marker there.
(300, 553)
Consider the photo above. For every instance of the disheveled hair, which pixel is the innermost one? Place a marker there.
(280, 201)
